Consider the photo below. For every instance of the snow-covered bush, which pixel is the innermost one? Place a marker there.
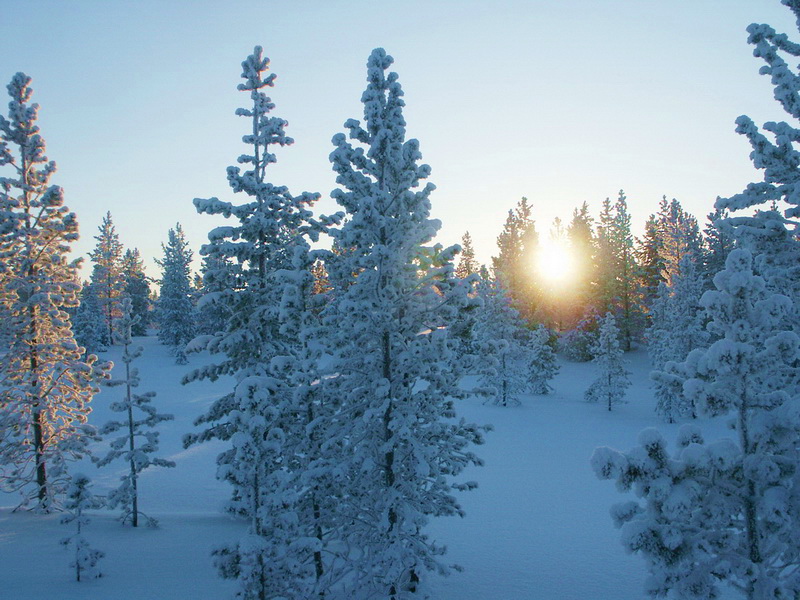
(542, 360)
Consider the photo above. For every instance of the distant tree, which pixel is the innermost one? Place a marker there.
(581, 241)
(542, 363)
(89, 323)
(107, 278)
(467, 265)
(501, 344)
(45, 384)
(612, 378)
(727, 511)
(174, 309)
(395, 370)
(650, 260)
(517, 246)
(617, 288)
(680, 236)
(677, 328)
(718, 241)
(139, 440)
(137, 289)
(79, 500)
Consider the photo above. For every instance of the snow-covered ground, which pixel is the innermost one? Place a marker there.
(537, 528)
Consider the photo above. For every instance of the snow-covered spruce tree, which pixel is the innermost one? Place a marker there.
(650, 263)
(174, 310)
(679, 235)
(137, 289)
(80, 499)
(139, 441)
(45, 385)
(612, 378)
(727, 511)
(107, 277)
(89, 324)
(260, 272)
(718, 241)
(501, 343)
(396, 375)
(542, 360)
(677, 328)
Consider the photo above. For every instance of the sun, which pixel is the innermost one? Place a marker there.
(554, 262)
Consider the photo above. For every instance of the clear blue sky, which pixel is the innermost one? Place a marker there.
(562, 102)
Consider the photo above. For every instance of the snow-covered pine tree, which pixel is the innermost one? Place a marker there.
(677, 328)
(137, 288)
(718, 241)
(174, 309)
(467, 265)
(726, 511)
(501, 343)
(612, 378)
(542, 360)
(139, 441)
(401, 443)
(89, 324)
(260, 270)
(107, 278)
(80, 499)
(45, 385)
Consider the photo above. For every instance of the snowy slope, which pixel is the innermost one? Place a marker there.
(536, 529)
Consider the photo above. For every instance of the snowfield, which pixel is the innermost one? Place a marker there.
(537, 528)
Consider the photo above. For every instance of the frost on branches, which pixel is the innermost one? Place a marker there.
(257, 272)
(393, 374)
(80, 499)
(45, 385)
(139, 440)
(612, 378)
(726, 511)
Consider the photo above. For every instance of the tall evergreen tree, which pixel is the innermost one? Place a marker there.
(581, 240)
(680, 236)
(259, 276)
(513, 265)
(467, 265)
(45, 384)
(650, 260)
(400, 438)
(107, 278)
(137, 289)
(174, 309)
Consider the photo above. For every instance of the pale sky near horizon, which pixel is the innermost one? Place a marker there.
(562, 102)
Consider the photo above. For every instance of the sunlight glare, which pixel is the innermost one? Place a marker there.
(554, 262)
